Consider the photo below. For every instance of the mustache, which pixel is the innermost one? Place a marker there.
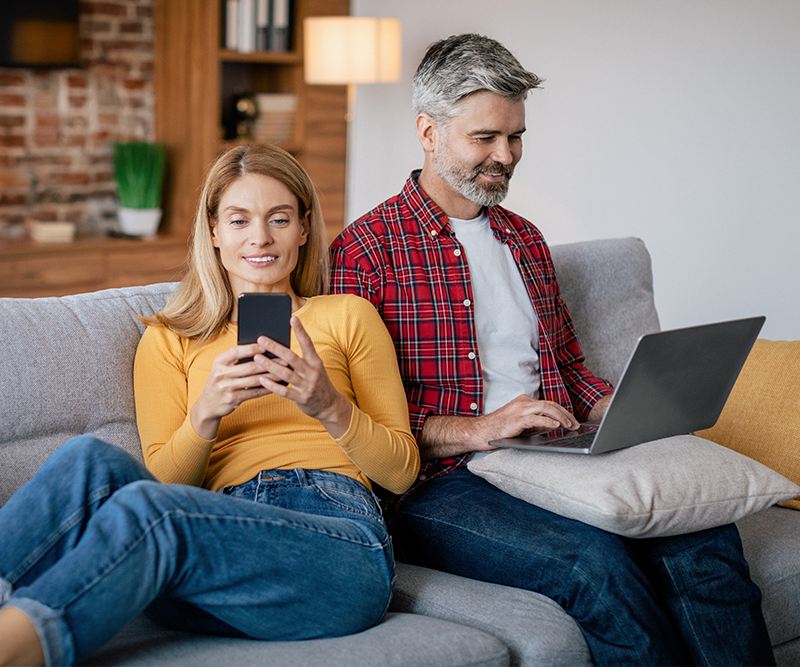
(494, 168)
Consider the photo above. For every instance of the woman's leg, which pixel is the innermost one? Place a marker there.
(267, 571)
(48, 515)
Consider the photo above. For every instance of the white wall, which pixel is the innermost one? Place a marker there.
(675, 121)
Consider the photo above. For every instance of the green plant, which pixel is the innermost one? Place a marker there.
(139, 172)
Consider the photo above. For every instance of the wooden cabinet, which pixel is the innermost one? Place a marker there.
(194, 78)
(29, 269)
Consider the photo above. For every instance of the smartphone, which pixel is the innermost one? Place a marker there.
(264, 315)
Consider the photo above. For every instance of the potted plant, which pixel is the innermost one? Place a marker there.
(139, 172)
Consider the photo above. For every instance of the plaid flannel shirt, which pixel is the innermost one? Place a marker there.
(403, 257)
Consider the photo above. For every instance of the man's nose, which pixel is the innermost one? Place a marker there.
(502, 151)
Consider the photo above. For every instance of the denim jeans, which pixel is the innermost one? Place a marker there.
(677, 600)
(93, 540)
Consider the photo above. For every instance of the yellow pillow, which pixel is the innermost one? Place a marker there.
(762, 416)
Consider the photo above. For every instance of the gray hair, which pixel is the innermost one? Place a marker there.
(460, 65)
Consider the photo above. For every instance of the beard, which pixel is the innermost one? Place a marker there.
(465, 181)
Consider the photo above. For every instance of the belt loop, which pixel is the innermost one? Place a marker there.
(301, 476)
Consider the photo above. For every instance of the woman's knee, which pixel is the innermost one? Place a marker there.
(85, 453)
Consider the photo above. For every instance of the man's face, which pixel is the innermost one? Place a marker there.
(479, 148)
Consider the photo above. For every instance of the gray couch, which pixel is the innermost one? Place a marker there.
(66, 367)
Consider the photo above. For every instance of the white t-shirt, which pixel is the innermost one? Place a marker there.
(506, 322)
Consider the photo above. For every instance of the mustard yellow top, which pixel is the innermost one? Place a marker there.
(271, 432)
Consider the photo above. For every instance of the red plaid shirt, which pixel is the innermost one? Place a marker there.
(403, 257)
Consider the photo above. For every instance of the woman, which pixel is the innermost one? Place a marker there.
(285, 539)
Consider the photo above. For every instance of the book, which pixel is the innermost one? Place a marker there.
(247, 26)
(232, 25)
(279, 33)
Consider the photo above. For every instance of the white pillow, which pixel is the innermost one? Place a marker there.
(666, 487)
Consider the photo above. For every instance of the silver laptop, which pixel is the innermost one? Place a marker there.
(675, 382)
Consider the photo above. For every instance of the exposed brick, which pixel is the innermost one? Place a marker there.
(12, 141)
(103, 9)
(11, 100)
(45, 139)
(9, 79)
(12, 121)
(75, 81)
(47, 121)
(95, 27)
(131, 28)
(54, 160)
(13, 200)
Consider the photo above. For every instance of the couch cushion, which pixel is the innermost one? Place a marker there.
(608, 288)
(771, 541)
(401, 640)
(666, 487)
(761, 418)
(536, 629)
(69, 361)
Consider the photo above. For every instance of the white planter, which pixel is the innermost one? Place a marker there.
(139, 221)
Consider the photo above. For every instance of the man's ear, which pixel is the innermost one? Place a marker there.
(427, 132)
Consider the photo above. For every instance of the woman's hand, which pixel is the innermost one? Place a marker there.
(308, 384)
(229, 384)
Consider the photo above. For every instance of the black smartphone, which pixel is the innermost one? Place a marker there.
(264, 315)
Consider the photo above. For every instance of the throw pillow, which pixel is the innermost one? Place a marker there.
(761, 418)
(665, 487)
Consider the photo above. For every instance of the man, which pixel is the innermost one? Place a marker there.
(487, 349)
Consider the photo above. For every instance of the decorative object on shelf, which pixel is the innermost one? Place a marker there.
(139, 173)
(258, 25)
(51, 232)
(243, 113)
(274, 123)
(348, 50)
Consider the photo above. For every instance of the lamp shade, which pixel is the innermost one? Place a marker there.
(344, 50)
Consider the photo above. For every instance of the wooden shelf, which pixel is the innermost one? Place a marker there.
(194, 80)
(265, 57)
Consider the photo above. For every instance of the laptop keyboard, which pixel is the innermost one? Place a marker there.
(582, 441)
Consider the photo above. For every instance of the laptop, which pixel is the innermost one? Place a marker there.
(675, 382)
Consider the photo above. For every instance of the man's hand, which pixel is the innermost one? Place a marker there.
(444, 436)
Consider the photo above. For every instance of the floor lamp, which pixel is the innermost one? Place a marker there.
(349, 50)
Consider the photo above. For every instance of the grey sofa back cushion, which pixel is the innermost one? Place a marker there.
(608, 288)
(66, 368)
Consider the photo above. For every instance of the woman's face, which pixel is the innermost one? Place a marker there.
(259, 233)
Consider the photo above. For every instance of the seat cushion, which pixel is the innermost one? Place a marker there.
(536, 629)
(400, 640)
(771, 542)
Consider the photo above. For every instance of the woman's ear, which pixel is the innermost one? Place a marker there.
(213, 232)
(306, 222)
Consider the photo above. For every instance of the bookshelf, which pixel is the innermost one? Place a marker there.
(194, 80)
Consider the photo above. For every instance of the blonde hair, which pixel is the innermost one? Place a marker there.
(201, 305)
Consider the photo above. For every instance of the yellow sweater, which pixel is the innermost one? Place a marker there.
(271, 432)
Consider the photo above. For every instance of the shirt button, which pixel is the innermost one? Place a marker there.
(433, 232)
(422, 477)
(467, 302)
(457, 252)
(473, 406)
(471, 355)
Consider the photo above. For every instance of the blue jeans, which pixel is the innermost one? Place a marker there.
(661, 601)
(292, 554)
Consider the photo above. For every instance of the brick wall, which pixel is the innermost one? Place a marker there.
(57, 127)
